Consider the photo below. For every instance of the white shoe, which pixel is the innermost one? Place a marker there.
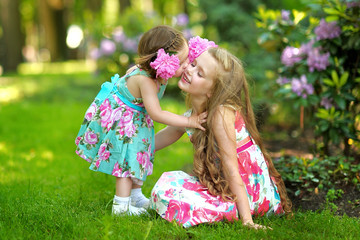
(143, 204)
(126, 209)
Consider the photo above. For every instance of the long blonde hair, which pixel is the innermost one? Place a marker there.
(230, 88)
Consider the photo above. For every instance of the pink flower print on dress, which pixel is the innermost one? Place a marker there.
(263, 207)
(254, 191)
(193, 186)
(149, 168)
(118, 101)
(117, 171)
(103, 153)
(90, 113)
(127, 117)
(146, 159)
(179, 211)
(130, 129)
(214, 202)
(97, 163)
(149, 121)
(77, 140)
(169, 193)
(139, 158)
(116, 114)
(105, 114)
(91, 137)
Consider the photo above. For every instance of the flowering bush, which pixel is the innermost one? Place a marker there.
(115, 48)
(319, 67)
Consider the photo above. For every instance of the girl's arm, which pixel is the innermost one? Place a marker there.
(148, 90)
(224, 130)
(167, 136)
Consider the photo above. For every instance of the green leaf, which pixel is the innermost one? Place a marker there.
(328, 82)
(331, 11)
(331, 18)
(341, 102)
(324, 126)
(335, 77)
(343, 79)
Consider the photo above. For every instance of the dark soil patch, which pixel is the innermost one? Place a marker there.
(348, 203)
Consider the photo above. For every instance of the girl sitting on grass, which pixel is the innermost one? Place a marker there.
(233, 173)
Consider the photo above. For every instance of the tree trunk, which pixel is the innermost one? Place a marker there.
(12, 40)
(52, 19)
(123, 5)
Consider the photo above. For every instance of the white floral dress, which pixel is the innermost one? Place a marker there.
(117, 134)
(180, 197)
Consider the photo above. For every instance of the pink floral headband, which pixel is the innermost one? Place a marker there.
(197, 46)
(165, 64)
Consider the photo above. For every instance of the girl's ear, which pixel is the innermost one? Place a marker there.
(208, 94)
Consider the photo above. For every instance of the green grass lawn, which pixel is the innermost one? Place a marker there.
(47, 191)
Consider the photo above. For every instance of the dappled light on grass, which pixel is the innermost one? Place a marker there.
(12, 90)
(68, 67)
(18, 166)
(9, 94)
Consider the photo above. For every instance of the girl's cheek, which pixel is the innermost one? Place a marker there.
(179, 72)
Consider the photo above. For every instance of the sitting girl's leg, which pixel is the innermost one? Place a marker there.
(137, 197)
(121, 203)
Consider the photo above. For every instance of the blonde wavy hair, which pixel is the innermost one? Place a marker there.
(230, 88)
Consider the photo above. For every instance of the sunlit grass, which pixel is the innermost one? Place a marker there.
(48, 192)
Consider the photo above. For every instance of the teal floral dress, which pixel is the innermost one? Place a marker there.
(117, 135)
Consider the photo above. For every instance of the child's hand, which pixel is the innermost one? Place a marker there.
(195, 121)
(251, 224)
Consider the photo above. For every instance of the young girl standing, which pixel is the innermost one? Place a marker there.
(234, 175)
(117, 134)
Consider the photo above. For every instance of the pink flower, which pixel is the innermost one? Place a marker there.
(107, 47)
(105, 114)
(103, 153)
(169, 193)
(179, 211)
(116, 114)
(130, 129)
(117, 99)
(97, 163)
(91, 137)
(116, 170)
(193, 186)
(327, 30)
(317, 61)
(290, 56)
(149, 121)
(91, 112)
(165, 65)
(263, 207)
(77, 140)
(197, 46)
(127, 117)
(139, 157)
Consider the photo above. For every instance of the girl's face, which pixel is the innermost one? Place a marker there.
(198, 78)
(184, 60)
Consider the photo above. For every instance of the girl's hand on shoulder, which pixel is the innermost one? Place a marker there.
(195, 121)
